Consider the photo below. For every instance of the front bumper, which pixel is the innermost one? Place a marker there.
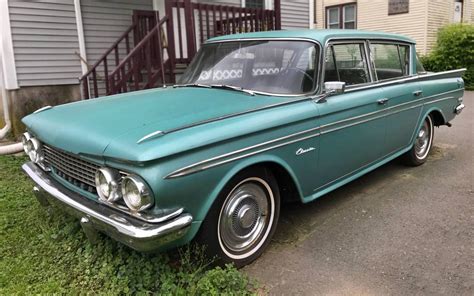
(139, 235)
(459, 109)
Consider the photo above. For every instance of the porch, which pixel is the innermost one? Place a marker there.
(158, 45)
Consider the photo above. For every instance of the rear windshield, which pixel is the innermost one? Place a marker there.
(278, 67)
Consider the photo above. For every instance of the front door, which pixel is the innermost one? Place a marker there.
(352, 124)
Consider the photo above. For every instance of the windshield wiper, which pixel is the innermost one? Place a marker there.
(232, 87)
(222, 86)
(192, 85)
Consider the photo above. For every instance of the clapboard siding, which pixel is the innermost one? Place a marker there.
(294, 14)
(104, 21)
(45, 41)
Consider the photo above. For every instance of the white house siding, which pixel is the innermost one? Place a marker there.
(45, 40)
(104, 21)
(295, 14)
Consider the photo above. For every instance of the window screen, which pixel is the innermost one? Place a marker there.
(390, 60)
(254, 3)
(349, 17)
(346, 63)
(333, 18)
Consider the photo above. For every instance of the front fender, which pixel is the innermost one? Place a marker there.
(238, 167)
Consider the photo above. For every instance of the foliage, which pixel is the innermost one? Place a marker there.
(45, 252)
(454, 49)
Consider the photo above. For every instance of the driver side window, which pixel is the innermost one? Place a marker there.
(346, 62)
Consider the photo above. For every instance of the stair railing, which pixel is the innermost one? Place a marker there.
(90, 80)
(145, 66)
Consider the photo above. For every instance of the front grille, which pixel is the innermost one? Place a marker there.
(76, 171)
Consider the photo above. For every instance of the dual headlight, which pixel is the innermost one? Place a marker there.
(33, 148)
(111, 187)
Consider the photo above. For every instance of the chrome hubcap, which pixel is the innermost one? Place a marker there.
(244, 217)
(422, 142)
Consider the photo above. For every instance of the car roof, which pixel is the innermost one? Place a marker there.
(321, 36)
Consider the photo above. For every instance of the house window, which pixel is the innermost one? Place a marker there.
(255, 3)
(341, 16)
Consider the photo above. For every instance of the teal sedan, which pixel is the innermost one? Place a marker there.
(256, 120)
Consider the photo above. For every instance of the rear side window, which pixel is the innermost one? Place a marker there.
(346, 63)
(390, 60)
(419, 66)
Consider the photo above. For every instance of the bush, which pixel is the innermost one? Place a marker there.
(454, 49)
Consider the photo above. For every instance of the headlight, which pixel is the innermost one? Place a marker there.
(136, 193)
(107, 184)
(34, 150)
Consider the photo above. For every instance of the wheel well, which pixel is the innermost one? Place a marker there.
(286, 184)
(437, 117)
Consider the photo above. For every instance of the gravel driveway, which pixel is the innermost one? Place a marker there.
(395, 231)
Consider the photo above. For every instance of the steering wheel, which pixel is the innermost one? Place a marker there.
(301, 71)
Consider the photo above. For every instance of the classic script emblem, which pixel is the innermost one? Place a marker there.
(303, 151)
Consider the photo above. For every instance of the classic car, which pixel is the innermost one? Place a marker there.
(256, 120)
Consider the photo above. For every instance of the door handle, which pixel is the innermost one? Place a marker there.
(382, 101)
(417, 93)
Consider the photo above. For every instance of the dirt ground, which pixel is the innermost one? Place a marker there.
(396, 231)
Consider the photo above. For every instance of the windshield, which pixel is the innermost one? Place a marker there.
(278, 67)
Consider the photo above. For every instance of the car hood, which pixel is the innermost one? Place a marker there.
(89, 127)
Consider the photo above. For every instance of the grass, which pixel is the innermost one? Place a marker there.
(43, 251)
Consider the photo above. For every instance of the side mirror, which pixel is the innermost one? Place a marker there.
(334, 87)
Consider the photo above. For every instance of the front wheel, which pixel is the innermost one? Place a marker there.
(422, 146)
(242, 220)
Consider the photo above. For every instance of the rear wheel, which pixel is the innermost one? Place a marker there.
(243, 219)
(422, 146)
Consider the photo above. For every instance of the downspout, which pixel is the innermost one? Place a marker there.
(6, 113)
(13, 148)
(6, 49)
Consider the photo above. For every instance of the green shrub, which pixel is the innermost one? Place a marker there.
(454, 49)
(45, 252)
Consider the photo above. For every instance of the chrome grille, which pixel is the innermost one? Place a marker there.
(76, 171)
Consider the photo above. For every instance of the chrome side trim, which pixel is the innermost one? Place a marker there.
(150, 136)
(42, 109)
(229, 157)
(405, 79)
(208, 163)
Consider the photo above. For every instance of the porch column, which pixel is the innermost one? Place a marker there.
(277, 8)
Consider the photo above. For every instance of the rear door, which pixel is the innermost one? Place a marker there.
(352, 123)
(392, 69)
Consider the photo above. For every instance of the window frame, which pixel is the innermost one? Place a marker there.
(341, 15)
(365, 55)
(398, 44)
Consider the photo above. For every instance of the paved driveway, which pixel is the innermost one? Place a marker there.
(397, 230)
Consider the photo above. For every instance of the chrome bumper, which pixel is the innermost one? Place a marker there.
(459, 109)
(137, 234)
